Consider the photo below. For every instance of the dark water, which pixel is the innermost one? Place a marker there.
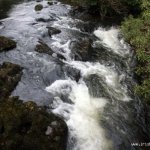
(101, 110)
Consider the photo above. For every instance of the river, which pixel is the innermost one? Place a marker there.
(100, 108)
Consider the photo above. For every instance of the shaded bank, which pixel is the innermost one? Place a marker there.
(6, 5)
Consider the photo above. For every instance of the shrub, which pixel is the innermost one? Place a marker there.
(137, 33)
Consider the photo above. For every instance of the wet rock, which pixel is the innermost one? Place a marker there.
(45, 20)
(52, 31)
(60, 56)
(39, 0)
(42, 20)
(43, 48)
(96, 85)
(50, 3)
(23, 125)
(38, 7)
(81, 49)
(54, 123)
(10, 75)
(49, 130)
(73, 73)
(25, 128)
(6, 44)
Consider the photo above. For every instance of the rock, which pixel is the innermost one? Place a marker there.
(24, 128)
(73, 73)
(81, 49)
(39, 0)
(54, 123)
(23, 125)
(45, 20)
(43, 48)
(6, 44)
(38, 7)
(96, 86)
(50, 3)
(49, 130)
(60, 56)
(10, 75)
(52, 31)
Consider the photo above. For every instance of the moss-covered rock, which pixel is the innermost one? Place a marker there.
(38, 7)
(26, 126)
(42, 47)
(6, 44)
(10, 74)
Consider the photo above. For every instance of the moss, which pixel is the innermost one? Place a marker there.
(6, 44)
(10, 74)
(137, 32)
(24, 126)
(38, 7)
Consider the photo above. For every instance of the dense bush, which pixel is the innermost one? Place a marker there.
(137, 33)
(111, 7)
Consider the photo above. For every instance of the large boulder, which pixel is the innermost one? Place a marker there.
(6, 44)
(26, 126)
(52, 31)
(42, 47)
(81, 49)
(10, 75)
(38, 7)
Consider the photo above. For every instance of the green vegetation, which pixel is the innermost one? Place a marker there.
(111, 7)
(137, 33)
(38, 7)
(6, 44)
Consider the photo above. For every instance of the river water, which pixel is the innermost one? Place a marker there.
(100, 109)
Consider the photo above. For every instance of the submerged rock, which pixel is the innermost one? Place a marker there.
(52, 31)
(81, 49)
(6, 44)
(26, 126)
(38, 7)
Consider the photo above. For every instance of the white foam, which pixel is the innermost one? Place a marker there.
(83, 116)
(108, 75)
(109, 38)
